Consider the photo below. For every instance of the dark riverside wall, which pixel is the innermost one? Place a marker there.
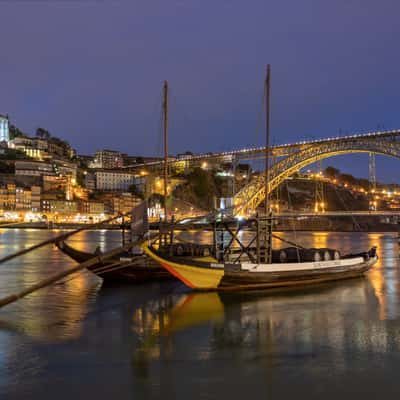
(318, 224)
(338, 224)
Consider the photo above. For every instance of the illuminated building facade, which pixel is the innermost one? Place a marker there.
(34, 168)
(59, 206)
(107, 159)
(7, 197)
(113, 180)
(4, 129)
(23, 199)
(41, 149)
(20, 198)
(125, 202)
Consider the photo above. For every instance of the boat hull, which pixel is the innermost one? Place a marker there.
(300, 278)
(190, 275)
(212, 276)
(139, 270)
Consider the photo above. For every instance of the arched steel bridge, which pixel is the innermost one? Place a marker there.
(290, 158)
(302, 154)
(252, 153)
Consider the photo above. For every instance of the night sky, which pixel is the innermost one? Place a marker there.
(91, 72)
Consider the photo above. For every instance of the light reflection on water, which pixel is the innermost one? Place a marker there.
(162, 341)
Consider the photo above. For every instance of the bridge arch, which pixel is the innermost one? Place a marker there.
(247, 199)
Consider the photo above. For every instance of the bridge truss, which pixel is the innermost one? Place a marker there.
(302, 154)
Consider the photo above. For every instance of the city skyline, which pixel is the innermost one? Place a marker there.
(100, 82)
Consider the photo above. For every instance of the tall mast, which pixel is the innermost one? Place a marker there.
(267, 128)
(165, 126)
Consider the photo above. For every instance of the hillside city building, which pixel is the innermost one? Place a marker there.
(107, 159)
(42, 174)
(113, 180)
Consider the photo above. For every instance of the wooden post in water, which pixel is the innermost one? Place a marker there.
(123, 231)
(398, 231)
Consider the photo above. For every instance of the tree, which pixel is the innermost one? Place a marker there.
(349, 179)
(200, 182)
(364, 183)
(6, 168)
(15, 132)
(42, 133)
(332, 172)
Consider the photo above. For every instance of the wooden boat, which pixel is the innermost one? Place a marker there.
(123, 268)
(126, 267)
(215, 275)
(259, 266)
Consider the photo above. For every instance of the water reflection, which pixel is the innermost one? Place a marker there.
(340, 321)
(165, 341)
(54, 313)
(49, 322)
(239, 318)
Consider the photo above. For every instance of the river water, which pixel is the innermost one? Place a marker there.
(79, 339)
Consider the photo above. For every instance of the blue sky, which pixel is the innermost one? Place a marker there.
(92, 71)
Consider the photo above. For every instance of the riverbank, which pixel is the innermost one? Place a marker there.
(298, 227)
(45, 225)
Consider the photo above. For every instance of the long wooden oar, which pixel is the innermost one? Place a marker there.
(52, 279)
(57, 238)
(11, 224)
